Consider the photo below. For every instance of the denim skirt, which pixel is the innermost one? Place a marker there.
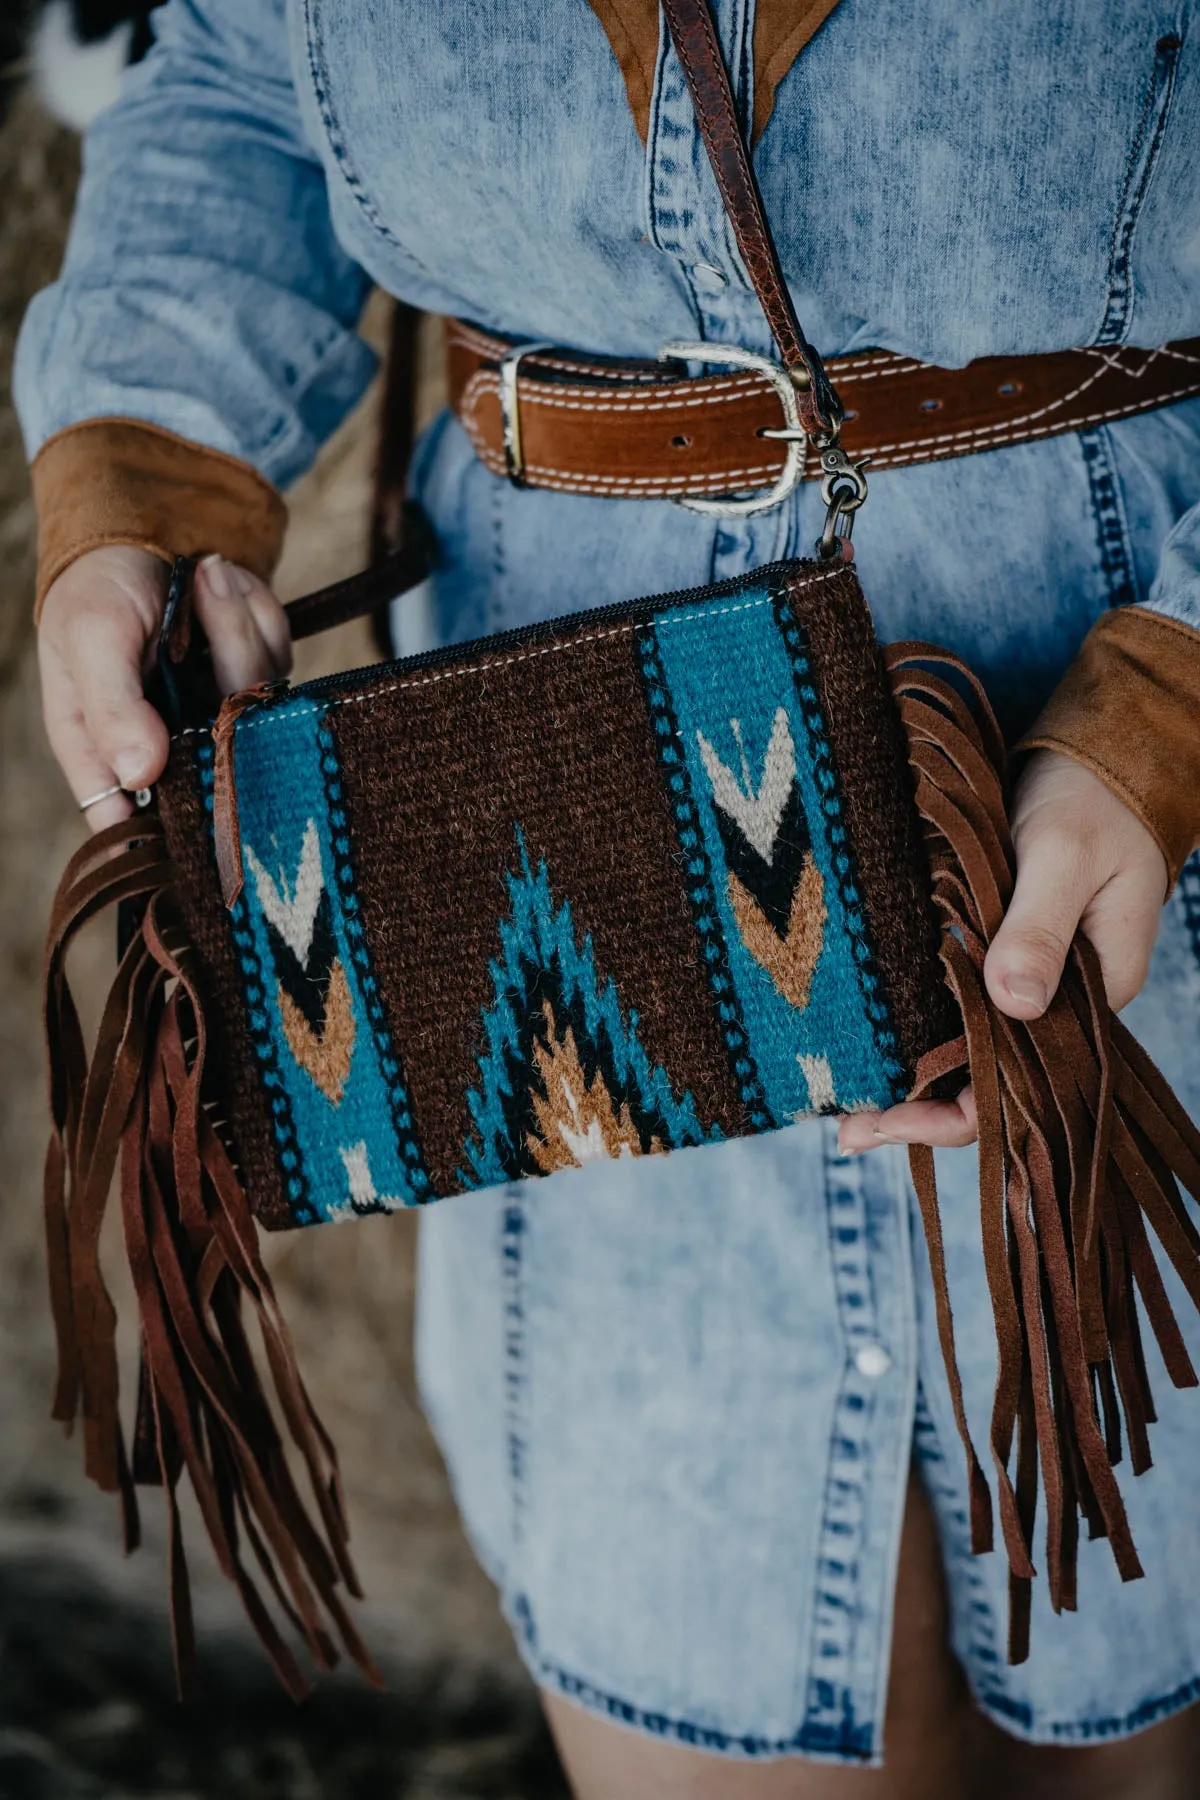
(679, 1398)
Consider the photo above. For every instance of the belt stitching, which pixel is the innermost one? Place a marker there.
(997, 436)
(985, 437)
(682, 483)
(484, 382)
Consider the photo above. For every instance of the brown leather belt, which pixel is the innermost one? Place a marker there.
(643, 429)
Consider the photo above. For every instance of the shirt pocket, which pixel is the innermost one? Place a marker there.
(1144, 153)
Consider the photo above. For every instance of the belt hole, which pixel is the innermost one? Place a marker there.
(1010, 387)
(680, 443)
(931, 406)
(849, 414)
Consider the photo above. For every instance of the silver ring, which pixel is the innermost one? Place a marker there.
(105, 794)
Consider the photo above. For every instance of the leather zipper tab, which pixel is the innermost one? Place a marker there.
(227, 834)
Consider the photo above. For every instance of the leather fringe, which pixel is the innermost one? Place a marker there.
(193, 1250)
(1082, 1145)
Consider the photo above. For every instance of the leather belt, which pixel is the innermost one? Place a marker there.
(589, 425)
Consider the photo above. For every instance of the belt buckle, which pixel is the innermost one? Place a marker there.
(792, 434)
(508, 369)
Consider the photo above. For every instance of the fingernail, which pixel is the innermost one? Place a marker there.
(217, 573)
(1027, 988)
(242, 581)
(129, 767)
(885, 1137)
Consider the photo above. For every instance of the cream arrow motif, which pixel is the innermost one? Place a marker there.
(293, 912)
(758, 813)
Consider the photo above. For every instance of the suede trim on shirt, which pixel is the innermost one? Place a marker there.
(123, 481)
(781, 30)
(1128, 708)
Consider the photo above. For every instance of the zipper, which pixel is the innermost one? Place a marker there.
(545, 631)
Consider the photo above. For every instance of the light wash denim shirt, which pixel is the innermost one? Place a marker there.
(962, 179)
(948, 181)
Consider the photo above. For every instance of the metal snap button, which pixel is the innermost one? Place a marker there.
(708, 278)
(872, 1360)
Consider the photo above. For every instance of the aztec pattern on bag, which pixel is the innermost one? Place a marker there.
(639, 906)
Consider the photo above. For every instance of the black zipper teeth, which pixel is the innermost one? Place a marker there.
(545, 631)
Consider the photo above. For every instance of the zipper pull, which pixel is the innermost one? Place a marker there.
(227, 835)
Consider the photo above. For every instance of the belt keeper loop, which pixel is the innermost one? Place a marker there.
(510, 410)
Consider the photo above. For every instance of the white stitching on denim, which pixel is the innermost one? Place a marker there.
(281, 716)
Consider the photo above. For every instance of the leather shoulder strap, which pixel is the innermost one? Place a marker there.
(694, 35)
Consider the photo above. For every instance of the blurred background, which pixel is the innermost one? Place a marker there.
(87, 1704)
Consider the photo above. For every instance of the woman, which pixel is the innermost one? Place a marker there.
(679, 1402)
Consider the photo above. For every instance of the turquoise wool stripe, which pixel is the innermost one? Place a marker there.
(295, 1182)
(343, 1119)
(697, 871)
(760, 771)
(869, 975)
(542, 962)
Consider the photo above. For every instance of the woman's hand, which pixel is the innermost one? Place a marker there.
(1083, 858)
(96, 639)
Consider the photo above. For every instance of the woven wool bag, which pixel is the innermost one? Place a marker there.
(647, 877)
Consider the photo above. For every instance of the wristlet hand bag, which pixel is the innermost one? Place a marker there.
(643, 878)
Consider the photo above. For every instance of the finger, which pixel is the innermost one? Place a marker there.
(87, 773)
(270, 616)
(1056, 879)
(948, 1124)
(99, 649)
(241, 652)
(1122, 922)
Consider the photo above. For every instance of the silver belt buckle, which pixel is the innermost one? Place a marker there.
(792, 433)
(510, 412)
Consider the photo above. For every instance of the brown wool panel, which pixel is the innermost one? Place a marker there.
(871, 757)
(231, 1055)
(561, 746)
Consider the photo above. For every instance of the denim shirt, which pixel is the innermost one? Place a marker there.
(962, 179)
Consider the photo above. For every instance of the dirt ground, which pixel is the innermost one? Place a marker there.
(86, 1703)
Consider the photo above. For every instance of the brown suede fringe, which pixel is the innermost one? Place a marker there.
(192, 1245)
(1081, 1144)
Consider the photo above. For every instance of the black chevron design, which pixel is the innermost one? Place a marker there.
(772, 884)
(307, 985)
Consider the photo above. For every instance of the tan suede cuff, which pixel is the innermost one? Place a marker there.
(1128, 708)
(121, 481)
